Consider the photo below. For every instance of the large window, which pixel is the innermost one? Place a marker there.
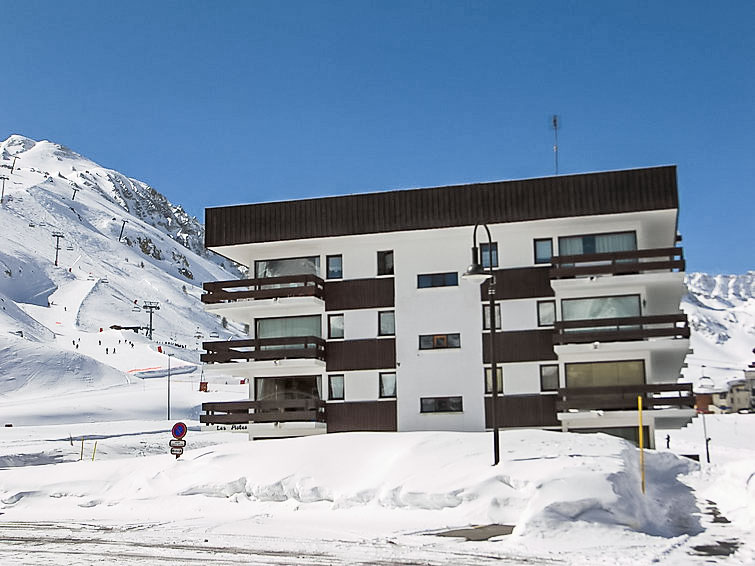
(591, 308)
(605, 374)
(437, 280)
(335, 326)
(543, 250)
(386, 323)
(489, 379)
(485, 256)
(334, 266)
(288, 266)
(597, 243)
(549, 377)
(289, 326)
(440, 405)
(335, 387)
(439, 341)
(486, 317)
(387, 385)
(385, 263)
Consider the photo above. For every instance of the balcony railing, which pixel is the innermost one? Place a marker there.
(617, 263)
(263, 288)
(261, 349)
(620, 329)
(284, 410)
(624, 397)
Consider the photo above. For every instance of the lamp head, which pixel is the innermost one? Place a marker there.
(475, 271)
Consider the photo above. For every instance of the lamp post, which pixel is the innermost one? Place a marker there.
(476, 272)
(169, 357)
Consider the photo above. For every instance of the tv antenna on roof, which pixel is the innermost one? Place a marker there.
(555, 141)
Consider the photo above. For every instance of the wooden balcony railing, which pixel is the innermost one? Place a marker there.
(263, 288)
(624, 397)
(260, 349)
(620, 329)
(617, 263)
(278, 411)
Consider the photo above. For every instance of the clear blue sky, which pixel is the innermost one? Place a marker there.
(219, 103)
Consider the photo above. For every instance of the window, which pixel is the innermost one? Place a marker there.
(546, 313)
(485, 256)
(334, 266)
(386, 323)
(486, 317)
(437, 280)
(605, 374)
(385, 263)
(387, 385)
(439, 341)
(335, 387)
(543, 250)
(440, 405)
(597, 243)
(335, 326)
(489, 379)
(590, 308)
(549, 377)
(291, 326)
(288, 266)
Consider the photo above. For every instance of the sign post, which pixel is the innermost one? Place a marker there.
(178, 431)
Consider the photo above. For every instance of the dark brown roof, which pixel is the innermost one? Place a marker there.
(441, 207)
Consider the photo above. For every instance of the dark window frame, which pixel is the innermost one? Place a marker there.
(499, 322)
(558, 377)
(488, 371)
(435, 280)
(596, 234)
(327, 266)
(570, 364)
(258, 261)
(330, 328)
(484, 255)
(380, 385)
(330, 387)
(539, 261)
(381, 269)
(438, 339)
(380, 326)
(442, 399)
(540, 324)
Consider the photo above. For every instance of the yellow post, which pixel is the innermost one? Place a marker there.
(94, 451)
(81, 457)
(642, 443)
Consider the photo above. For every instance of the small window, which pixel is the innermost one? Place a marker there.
(437, 280)
(485, 256)
(549, 378)
(489, 379)
(386, 323)
(543, 250)
(546, 313)
(486, 317)
(335, 387)
(385, 263)
(439, 341)
(335, 326)
(334, 266)
(440, 405)
(388, 385)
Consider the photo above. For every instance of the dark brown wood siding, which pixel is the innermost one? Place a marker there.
(359, 294)
(519, 346)
(371, 353)
(461, 205)
(363, 415)
(520, 283)
(522, 410)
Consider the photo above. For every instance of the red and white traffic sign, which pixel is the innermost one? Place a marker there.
(179, 430)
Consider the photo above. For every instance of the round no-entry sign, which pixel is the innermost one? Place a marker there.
(179, 430)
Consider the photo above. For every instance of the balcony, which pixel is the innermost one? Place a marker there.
(624, 397)
(617, 263)
(275, 411)
(223, 292)
(264, 349)
(620, 329)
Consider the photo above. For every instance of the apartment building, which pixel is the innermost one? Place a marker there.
(360, 318)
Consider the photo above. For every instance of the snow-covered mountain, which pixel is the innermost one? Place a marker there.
(721, 312)
(48, 311)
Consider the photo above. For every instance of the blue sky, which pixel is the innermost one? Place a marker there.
(217, 103)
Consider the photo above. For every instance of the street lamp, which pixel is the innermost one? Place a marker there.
(476, 272)
(169, 357)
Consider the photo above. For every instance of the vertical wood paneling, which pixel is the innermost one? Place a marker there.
(364, 415)
(519, 346)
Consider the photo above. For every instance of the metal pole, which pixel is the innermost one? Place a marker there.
(641, 436)
(169, 356)
(707, 440)
(2, 196)
(122, 226)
